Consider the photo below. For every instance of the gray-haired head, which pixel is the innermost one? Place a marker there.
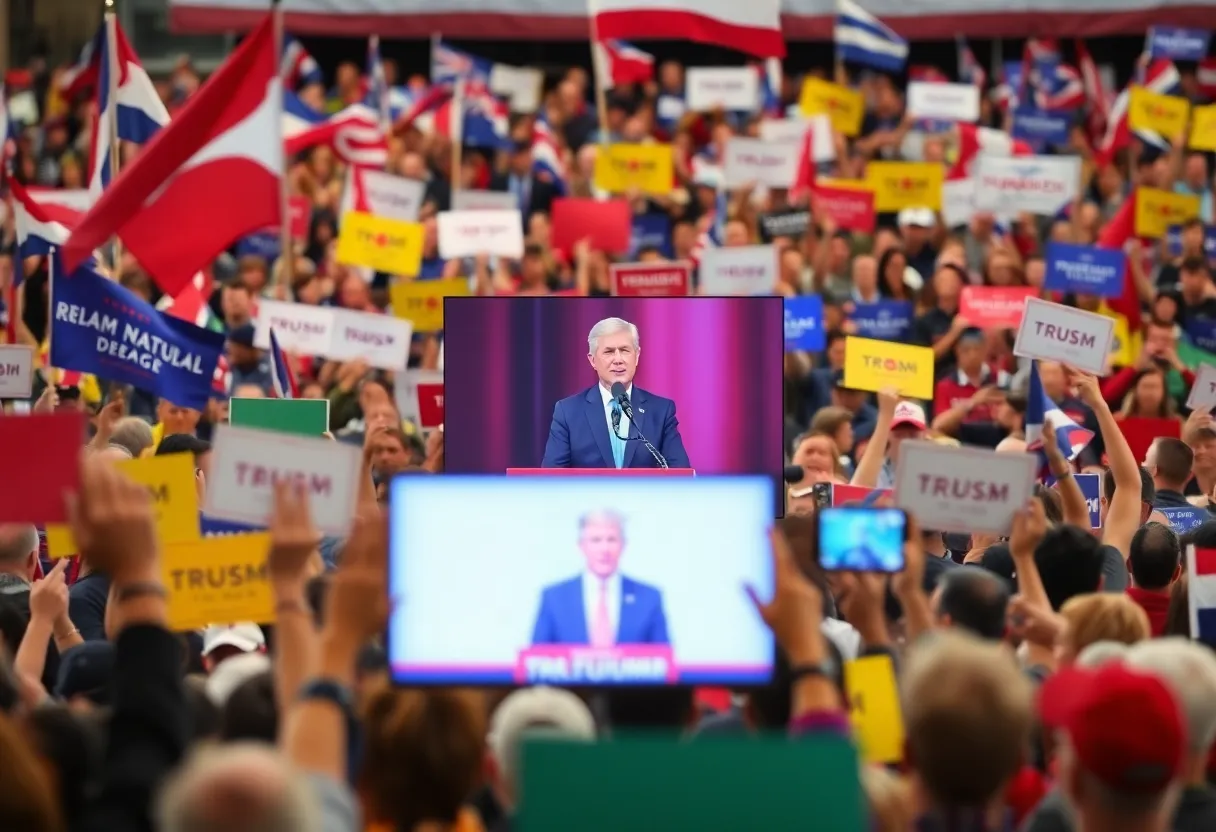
(1189, 669)
(17, 542)
(611, 326)
(607, 515)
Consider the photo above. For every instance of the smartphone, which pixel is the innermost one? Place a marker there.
(861, 538)
(822, 493)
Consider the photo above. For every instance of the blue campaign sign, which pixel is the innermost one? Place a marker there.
(1202, 332)
(650, 231)
(804, 323)
(1182, 520)
(1086, 270)
(214, 527)
(1177, 44)
(261, 244)
(1040, 127)
(887, 320)
(1173, 241)
(102, 328)
(1091, 489)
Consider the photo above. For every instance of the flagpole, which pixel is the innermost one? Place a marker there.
(597, 68)
(287, 253)
(456, 130)
(49, 369)
(112, 71)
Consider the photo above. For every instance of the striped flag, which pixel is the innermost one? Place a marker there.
(281, 376)
(355, 133)
(1070, 437)
(191, 303)
(298, 68)
(861, 38)
(1201, 595)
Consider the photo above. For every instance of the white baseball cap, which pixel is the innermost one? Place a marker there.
(909, 413)
(244, 636)
(920, 217)
(539, 711)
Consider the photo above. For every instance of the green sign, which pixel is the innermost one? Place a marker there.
(301, 417)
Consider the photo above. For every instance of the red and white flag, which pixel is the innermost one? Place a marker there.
(211, 176)
(977, 141)
(804, 174)
(1161, 77)
(751, 26)
(619, 64)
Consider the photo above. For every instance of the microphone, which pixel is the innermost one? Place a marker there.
(621, 396)
(793, 474)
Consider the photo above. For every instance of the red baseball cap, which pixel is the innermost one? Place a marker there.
(1125, 726)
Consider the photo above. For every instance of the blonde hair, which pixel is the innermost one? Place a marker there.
(1104, 616)
(889, 799)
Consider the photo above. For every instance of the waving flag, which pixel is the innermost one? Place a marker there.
(377, 83)
(298, 68)
(449, 65)
(715, 232)
(974, 142)
(191, 303)
(753, 27)
(1205, 76)
(546, 155)
(1097, 101)
(864, 39)
(805, 173)
(970, 71)
(281, 376)
(772, 80)
(83, 74)
(355, 133)
(44, 218)
(1071, 437)
(485, 121)
(620, 64)
(207, 179)
(1160, 77)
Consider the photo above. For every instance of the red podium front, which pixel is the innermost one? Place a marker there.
(602, 472)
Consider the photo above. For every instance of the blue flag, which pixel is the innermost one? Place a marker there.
(1086, 270)
(804, 323)
(887, 320)
(99, 327)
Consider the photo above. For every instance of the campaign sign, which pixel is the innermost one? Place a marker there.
(1203, 391)
(45, 449)
(943, 101)
(650, 280)
(465, 200)
(994, 307)
(1173, 241)
(804, 323)
(380, 340)
(385, 194)
(842, 495)
(791, 223)
(217, 579)
(886, 320)
(419, 395)
(1085, 270)
(753, 161)
(731, 88)
(1202, 331)
(872, 365)
(650, 231)
(1091, 489)
(1036, 184)
(102, 328)
(379, 243)
(1183, 519)
(1054, 332)
(300, 328)
(247, 463)
(470, 233)
(16, 371)
(852, 208)
(745, 270)
(1040, 127)
(823, 147)
(962, 489)
(1177, 44)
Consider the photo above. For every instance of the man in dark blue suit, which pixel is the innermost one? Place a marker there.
(581, 434)
(601, 607)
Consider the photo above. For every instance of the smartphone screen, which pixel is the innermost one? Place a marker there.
(861, 539)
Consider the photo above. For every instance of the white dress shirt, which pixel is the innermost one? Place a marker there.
(591, 600)
(606, 395)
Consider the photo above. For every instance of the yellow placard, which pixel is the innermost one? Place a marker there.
(380, 243)
(645, 168)
(871, 365)
(874, 708)
(844, 107)
(170, 481)
(845, 184)
(900, 185)
(1157, 210)
(1124, 345)
(218, 580)
(421, 301)
(1164, 114)
(1203, 128)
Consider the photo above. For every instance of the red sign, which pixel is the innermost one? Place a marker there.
(994, 307)
(299, 209)
(852, 210)
(607, 223)
(1141, 431)
(430, 405)
(845, 494)
(650, 280)
(42, 455)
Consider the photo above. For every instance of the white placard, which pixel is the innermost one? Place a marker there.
(463, 200)
(384, 194)
(470, 233)
(299, 327)
(1203, 391)
(519, 85)
(732, 88)
(1036, 184)
(958, 202)
(746, 270)
(246, 462)
(1054, 332)
(823, 147)
(962, 489)
(754, 161)
(405, 390)
(381, 340)
(944, 102)
(16, 371)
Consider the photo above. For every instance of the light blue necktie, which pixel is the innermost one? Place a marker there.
(618, 444)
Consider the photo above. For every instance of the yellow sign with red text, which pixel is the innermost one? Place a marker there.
(1203, 128)
(872, 365)
(379, 243)
(1164, 114)
(421, 301)
(218, 580)
(1157, 210)
(900, 185)
(645, 168)
(874, 708)
(844, 107)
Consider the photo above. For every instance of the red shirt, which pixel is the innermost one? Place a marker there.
(957, 388)
(1156, 604)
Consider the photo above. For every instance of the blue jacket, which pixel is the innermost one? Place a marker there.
(579, 436)
(563, 616)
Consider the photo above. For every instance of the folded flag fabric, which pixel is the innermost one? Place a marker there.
(1201, 595)
(1070, 437)
(280, 371)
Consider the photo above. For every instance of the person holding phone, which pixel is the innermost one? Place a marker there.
(601, 607)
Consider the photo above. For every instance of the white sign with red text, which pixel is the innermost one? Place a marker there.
(420, 397)
(732, 88)
(1203, 391)
(341, 334)
(300, 328)
(962, 489)
(757, 162)
(470, 233)
(1035, 184)
(823, 148)
(745, 270)
(650, 280)
(944, 102)
(382, 194)
(16, 371)
(463, 200)
(1055, 332)
(246, 463)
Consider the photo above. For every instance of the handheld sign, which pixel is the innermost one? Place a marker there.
(804, 323)
(44, 449)
(731, 88)
(744, 270)
(419, 395)
(379, 243)
(874, 708)
(871, 365)
(217, 580)
(1054, 332)
(246, 464)
(994, 307)
(421, 301)
(470, 233)
(300, 417)
(945, 102)
(962, 489)
(649, 280)
(1203, 391)
(16, 371)
(1087, 270)
(1184, 518)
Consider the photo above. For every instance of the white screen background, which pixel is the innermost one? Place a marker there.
(470, 557)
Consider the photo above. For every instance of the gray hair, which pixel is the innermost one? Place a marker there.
(240, 787)
(610, 326)
(607, 515)
(17, 542)
(1190, 672)
(132, 433)
(1102, 652)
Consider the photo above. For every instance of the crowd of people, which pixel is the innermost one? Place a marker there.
(1048, 680)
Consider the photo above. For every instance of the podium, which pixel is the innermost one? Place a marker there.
(601, 472)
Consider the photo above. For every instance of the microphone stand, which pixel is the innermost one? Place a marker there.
(616, 429)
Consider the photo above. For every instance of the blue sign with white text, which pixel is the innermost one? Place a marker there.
(1040, 127)
(1202, 332)
(1173, 241)
(1182, 520)
(1091, 489)
(650, 231)
(804, 323)
(1177, 44)
(1084, 270)
(887, 320)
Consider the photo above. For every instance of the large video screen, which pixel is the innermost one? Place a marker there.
(579, 580)
(705, 384)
